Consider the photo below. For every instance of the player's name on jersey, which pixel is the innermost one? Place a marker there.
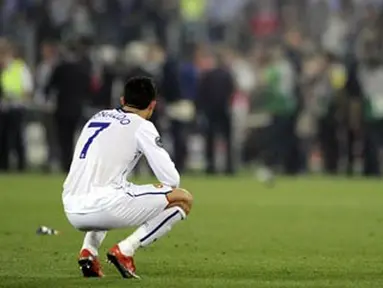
(123, 118)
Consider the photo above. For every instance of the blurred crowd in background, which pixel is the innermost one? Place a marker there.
(289, 86)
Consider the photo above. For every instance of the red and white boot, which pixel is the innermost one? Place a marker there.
(124, 264)
(89, 264)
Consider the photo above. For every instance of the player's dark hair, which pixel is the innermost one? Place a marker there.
(139, 92)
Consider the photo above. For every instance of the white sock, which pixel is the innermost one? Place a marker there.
(152, 230)
(93, 240)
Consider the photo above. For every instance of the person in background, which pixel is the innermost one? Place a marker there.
(71, 80)
(105, 77)
(49, 55)
(370, 80)
(307, 120)
(287, 85)
(330, 123)
(81, 21)
(354, 118)
(3, 139)
(179, 108)
(189, 73)
(275, 88)
(258, 121)
(245, 79)
(326, 87)
(214, 99)
(293, 48)
(193, 29)
(17, 86)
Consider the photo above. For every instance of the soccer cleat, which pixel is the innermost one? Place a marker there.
(124, 264)
(89, 264)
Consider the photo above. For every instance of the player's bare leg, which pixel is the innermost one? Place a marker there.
(88, 258)
(121, 255)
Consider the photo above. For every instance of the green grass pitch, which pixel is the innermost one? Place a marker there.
(305, 232)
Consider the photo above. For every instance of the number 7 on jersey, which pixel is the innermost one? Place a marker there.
(101, 126)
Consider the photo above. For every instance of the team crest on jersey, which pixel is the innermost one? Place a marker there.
(159, 142)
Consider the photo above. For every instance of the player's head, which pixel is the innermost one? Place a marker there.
(140, 95)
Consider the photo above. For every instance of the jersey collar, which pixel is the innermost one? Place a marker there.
(119, 109)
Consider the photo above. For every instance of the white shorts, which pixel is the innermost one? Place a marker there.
(138, 204)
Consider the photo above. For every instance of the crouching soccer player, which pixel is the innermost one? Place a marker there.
(96, 195)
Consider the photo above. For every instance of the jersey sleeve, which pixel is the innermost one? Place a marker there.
(150, 144)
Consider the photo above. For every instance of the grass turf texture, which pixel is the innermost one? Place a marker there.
(308, 232)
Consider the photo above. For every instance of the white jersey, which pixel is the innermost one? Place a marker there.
(109, 147)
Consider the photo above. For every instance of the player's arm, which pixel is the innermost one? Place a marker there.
(149, 143)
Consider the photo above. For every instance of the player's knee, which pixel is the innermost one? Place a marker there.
(184, 206)
(187, 197)
(181, 197)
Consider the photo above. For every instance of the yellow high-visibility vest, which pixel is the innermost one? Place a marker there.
(12, 80)
(338, 77)
(193, 9)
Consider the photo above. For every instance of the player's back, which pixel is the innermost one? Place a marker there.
(105, 153)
